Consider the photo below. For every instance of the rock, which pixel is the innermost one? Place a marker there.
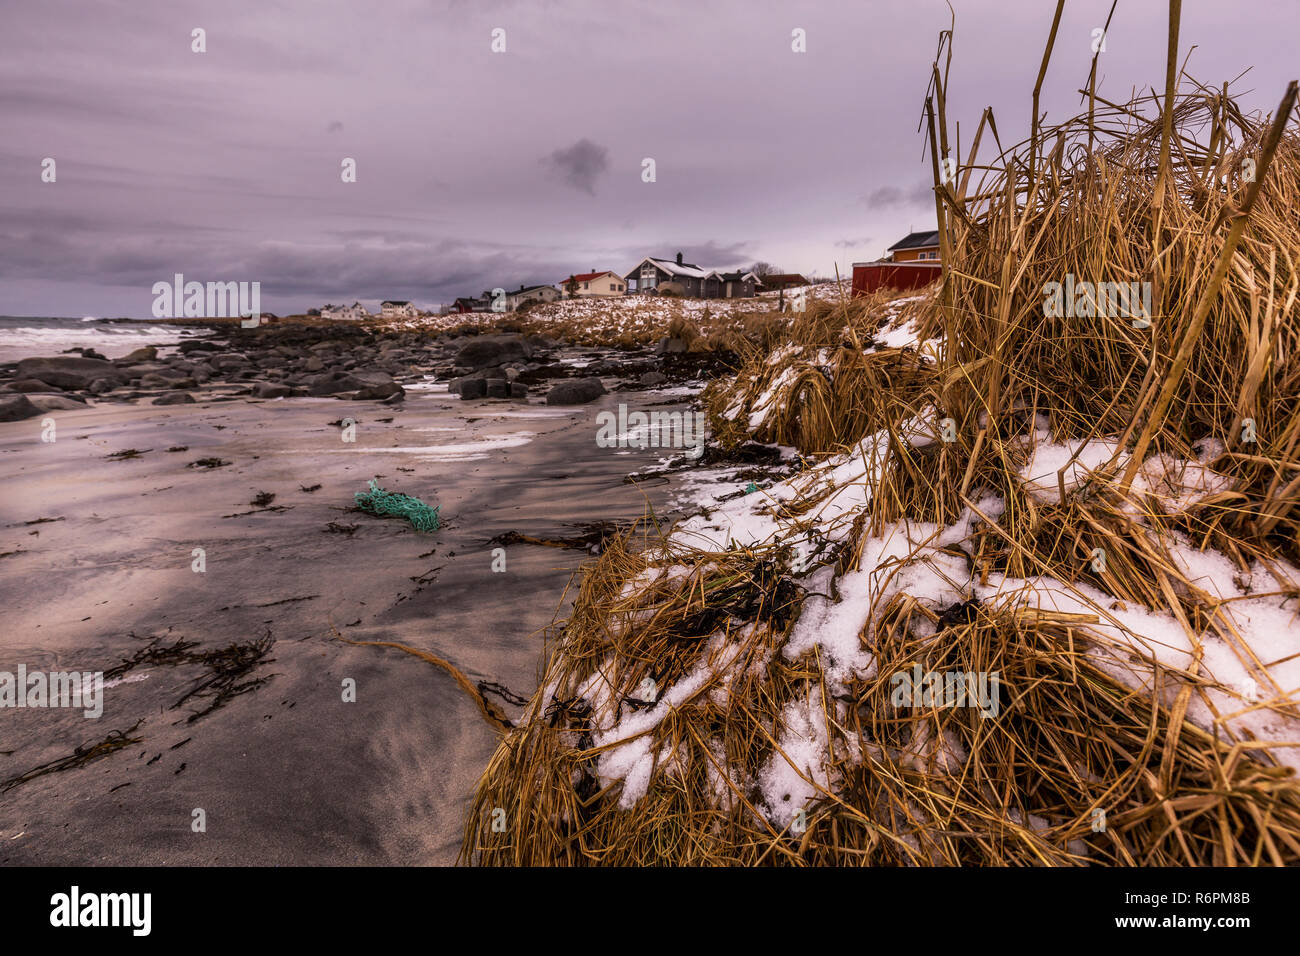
(376, 385)
(267, 390)
(473, 388)
(55, 403)
(497, 388)
(92, 354)
(146, 354)
(313, 364)
(485, 351)
(330, 383)
(397, 396)
(28, 385)
(174, 398)
(199, 345)
(518, 390)
(66, 371)
(158, 380)
(224, 363)
(653, 378)
(577, 391)
(15, 408)
(669, 346)
(136, 371)
(489, 374)
(101, 386)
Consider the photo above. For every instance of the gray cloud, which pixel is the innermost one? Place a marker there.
(225, 165)
(895, 197)
(579, 165)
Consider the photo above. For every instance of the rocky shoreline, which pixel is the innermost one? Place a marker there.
(344, 362)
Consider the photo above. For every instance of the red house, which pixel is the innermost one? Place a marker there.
(913, 262)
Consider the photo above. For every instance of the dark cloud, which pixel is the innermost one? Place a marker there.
(225, 165)
(579, 165)
(894, 197)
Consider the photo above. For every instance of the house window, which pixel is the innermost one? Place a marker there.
(648, 277)
(586, 284)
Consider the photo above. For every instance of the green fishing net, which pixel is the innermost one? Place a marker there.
(394, 504)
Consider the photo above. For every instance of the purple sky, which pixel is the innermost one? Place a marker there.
(477, 169)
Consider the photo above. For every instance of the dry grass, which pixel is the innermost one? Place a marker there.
(1147, 191)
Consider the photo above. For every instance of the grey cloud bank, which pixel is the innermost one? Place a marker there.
(477, 169)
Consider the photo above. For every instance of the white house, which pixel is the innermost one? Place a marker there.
(344, 313)
(533, 293)
(398, 309)
(594, 284)
(651, 273)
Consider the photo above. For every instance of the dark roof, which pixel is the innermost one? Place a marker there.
(523, 289)
(917, 240)
(783, 278)
(396, 302)
(733, 276)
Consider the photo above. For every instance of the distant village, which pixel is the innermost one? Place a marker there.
(911, 262)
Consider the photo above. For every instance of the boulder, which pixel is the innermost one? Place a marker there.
(135, 371)
(224, 363)
(159, 380)
(576, 391)
(376, 385)
(497, 388)
(486, 351)
(14, 408)
(27, 385)
(313, 364)
(174, 398)
(146, 354)
(66, 371)
(473, 388)
(199, 345)
(267, 390)
(331, 383)
(55, 403)
(653, 378)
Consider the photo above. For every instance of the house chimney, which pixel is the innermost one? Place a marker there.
(679, 258)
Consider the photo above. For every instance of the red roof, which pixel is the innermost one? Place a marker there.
(588, 276)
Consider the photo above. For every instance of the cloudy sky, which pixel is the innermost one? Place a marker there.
(477, 169)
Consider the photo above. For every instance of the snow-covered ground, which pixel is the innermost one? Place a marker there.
(1244, 662)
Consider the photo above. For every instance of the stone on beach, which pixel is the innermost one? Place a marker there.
(66, 371)
(174, 398)
(575, 392)
(491, 350)
(14, 408)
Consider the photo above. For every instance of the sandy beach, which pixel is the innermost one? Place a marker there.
(231, 697)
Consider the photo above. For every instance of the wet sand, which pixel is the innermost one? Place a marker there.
(285, 771)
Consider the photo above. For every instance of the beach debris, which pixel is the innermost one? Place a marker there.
(116, 740)
(384, 504)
